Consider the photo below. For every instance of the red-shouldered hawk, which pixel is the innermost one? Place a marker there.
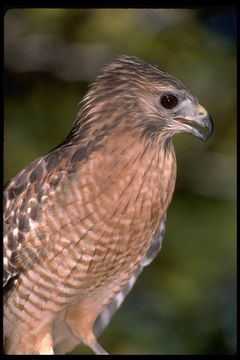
(83, 221)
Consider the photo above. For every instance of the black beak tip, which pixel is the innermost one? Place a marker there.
(210, 127)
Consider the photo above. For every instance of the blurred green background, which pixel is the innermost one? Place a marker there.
(185, 301)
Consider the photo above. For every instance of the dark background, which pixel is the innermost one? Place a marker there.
(185, 302)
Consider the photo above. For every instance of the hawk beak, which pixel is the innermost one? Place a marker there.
(200, 125)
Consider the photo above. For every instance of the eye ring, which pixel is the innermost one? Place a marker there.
(169, 101)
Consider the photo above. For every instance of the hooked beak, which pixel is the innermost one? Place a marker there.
(200, 125)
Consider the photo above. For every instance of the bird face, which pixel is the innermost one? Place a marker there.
(183, 113)
(133, 97)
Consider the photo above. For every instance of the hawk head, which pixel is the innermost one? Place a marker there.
(133, 96)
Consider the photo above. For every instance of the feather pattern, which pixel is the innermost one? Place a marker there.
(82, 221)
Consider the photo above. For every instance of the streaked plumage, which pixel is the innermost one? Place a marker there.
(81, 222)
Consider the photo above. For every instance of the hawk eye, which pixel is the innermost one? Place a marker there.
(169, 101)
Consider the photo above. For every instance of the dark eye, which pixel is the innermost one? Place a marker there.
(169, 101)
